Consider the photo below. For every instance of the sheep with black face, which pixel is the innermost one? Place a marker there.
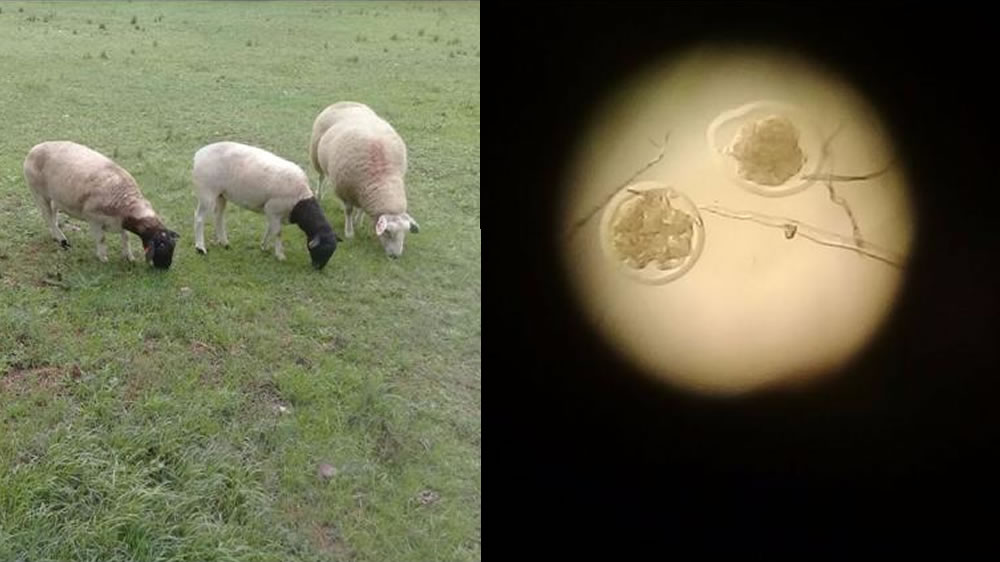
(85, 184)
(263, 182)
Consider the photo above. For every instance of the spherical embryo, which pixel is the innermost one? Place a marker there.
(767, 151)
(647, 228)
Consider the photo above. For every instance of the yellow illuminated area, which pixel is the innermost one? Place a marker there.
(736, 219)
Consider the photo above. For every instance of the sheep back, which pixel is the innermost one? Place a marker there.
(248, 176)
(84, 183)
(365, 159)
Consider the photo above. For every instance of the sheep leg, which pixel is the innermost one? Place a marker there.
(199, 226)
(267, 235)
(359, 217)
(221, 237)
(279, 249)
(126, 247)
(319, 187)
(97, 230)
(348, 220)
(50, 215)
(273, 231)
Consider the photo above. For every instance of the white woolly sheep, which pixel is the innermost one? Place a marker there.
(263, 182)
(85, 184)
(365, 160)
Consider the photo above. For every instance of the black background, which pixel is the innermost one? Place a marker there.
(895, 447)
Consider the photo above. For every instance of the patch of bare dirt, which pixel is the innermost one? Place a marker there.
(213, 374)
(335, 343)
(267, 394)
(202, 348)
(49, 378)
(328, 538)
(428, 497)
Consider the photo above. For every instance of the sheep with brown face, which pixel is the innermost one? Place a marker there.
(263, 182)
(365, 159)
(85, 184)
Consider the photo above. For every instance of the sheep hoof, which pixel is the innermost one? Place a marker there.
(226, 246)
(65, 244)
(201, 251)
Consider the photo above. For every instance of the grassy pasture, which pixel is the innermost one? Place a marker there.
(184, 415)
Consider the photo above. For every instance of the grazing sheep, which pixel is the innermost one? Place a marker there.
(365, 160)
(258, 180)
(85, 184)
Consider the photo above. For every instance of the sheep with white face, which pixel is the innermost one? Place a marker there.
(365, 159)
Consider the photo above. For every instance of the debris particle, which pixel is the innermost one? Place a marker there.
(427, 497)
(326, 471)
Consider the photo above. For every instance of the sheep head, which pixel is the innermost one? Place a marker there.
(159, 248)
(391, 230)
(321, 248)
(322, 240)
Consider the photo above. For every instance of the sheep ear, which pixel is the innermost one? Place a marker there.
(380, 225)
(314, 242)
(414, 227)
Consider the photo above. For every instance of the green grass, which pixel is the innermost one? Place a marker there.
(182, 415)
